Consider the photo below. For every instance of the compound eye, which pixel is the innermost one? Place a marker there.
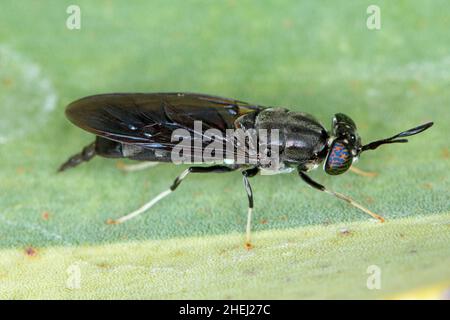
(339, 158)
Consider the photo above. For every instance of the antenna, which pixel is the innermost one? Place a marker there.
(375, 144)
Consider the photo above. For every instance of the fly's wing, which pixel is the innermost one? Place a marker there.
(148, 120)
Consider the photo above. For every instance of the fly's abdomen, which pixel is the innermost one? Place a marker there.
(108, 148)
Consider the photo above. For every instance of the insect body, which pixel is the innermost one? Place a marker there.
(146, 127)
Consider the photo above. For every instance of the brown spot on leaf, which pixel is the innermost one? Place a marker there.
(369, 199)
(414, 86)
(427, 185)
(120, 165)
(30, 251)
(445, 153)
(21, 170)
(288, 23)
(45, 215)
(180, 222)
(355, 85)
(178, 253)
(7, 82)
(348, 185)
(111, 221)
(263, 221)
(345, 232)
(103, 265)
(250, 272)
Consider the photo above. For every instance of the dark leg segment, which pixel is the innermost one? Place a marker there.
(320, 187)
(212, 169)
(85, 155)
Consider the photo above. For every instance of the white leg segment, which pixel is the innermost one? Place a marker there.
(151, 203)
(137, 166)
(145, 207)
(249, 227)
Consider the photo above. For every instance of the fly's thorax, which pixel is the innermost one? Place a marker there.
(302, 139)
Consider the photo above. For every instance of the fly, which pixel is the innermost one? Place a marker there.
(148, 128)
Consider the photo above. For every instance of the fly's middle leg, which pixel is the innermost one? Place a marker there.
(248, 188)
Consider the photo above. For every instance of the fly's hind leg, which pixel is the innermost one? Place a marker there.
(175, 184)
(85, 155)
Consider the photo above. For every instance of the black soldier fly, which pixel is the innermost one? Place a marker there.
(141, 126)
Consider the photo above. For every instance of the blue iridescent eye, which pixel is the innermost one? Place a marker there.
(339, 158)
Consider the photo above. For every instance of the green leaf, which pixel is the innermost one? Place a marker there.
(301, 55)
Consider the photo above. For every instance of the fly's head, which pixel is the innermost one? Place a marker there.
(345, 145)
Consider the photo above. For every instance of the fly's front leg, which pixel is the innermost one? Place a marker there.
(248, 174)
(175, 184)
(320, 187)
(362, 172)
